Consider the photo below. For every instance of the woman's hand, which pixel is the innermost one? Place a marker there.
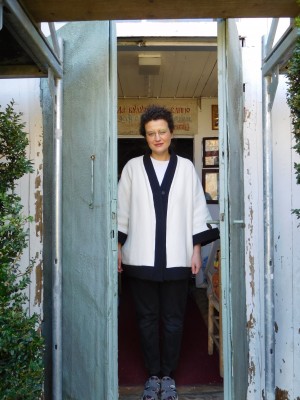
(196, 259)
(120, 269)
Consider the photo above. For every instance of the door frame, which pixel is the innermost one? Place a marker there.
(224, 217)
(231, 214)
(112, 339)
(225, 221)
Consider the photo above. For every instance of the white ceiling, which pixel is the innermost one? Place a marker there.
(188, 68)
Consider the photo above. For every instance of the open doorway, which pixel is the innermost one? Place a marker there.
(180, 73)
(90, 276)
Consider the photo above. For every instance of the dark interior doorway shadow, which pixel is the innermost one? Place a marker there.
(195, 368)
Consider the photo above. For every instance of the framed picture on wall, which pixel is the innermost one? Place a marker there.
(210, 152)
(214, 117)
(210, 182)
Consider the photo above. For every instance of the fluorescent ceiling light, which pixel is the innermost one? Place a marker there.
(149, 64)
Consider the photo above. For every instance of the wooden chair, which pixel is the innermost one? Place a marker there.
(215, 310)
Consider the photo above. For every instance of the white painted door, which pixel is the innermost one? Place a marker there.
(232, 211)
(89, 212)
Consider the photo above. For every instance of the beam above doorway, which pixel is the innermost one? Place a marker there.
(78, 10)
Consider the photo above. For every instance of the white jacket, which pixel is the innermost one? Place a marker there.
(158, 225)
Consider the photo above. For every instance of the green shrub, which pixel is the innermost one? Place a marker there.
(21, 344)
(293, 100)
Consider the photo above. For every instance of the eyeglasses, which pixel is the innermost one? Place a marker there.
(160, 133)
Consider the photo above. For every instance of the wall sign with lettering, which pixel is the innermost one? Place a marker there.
(185, 114)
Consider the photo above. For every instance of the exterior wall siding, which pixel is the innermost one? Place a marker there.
(286, 231)
(295, 238)
(286, 253)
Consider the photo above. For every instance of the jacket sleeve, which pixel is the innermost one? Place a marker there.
(203, 232)
(124, 196)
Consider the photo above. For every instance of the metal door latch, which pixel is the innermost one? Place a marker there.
(91, 205)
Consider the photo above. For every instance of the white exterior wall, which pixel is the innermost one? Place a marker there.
(286, 251)
(286, 195)
(26, 94)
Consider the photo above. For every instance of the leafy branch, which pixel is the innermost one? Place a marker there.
(293, 100)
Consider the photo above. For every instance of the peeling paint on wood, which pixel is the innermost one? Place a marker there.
(38, 214)
(247, 114)
(251, 322)
(247, 148)
(38, 181)
(38, 283)
(251, 371)
(252, 270)
(281, 394)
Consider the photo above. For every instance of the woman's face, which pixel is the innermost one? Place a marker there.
(158, 137)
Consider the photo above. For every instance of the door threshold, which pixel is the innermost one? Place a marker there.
(201, 392)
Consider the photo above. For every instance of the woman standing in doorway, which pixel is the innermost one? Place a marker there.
(162, 224)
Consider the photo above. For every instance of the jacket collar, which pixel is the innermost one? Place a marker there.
(168, 178)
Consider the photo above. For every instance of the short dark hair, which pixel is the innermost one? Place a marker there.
(154, 113)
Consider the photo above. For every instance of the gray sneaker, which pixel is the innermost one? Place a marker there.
(168, 389)
(151, 389)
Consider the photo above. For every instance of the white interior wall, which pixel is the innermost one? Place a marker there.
(26, 94)
(205, 130)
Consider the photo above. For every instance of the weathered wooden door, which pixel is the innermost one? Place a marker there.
(89, 331)
(232, 211)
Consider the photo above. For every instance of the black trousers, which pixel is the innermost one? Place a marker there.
(160, 309)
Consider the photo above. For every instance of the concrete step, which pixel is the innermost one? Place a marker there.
(202, 392)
